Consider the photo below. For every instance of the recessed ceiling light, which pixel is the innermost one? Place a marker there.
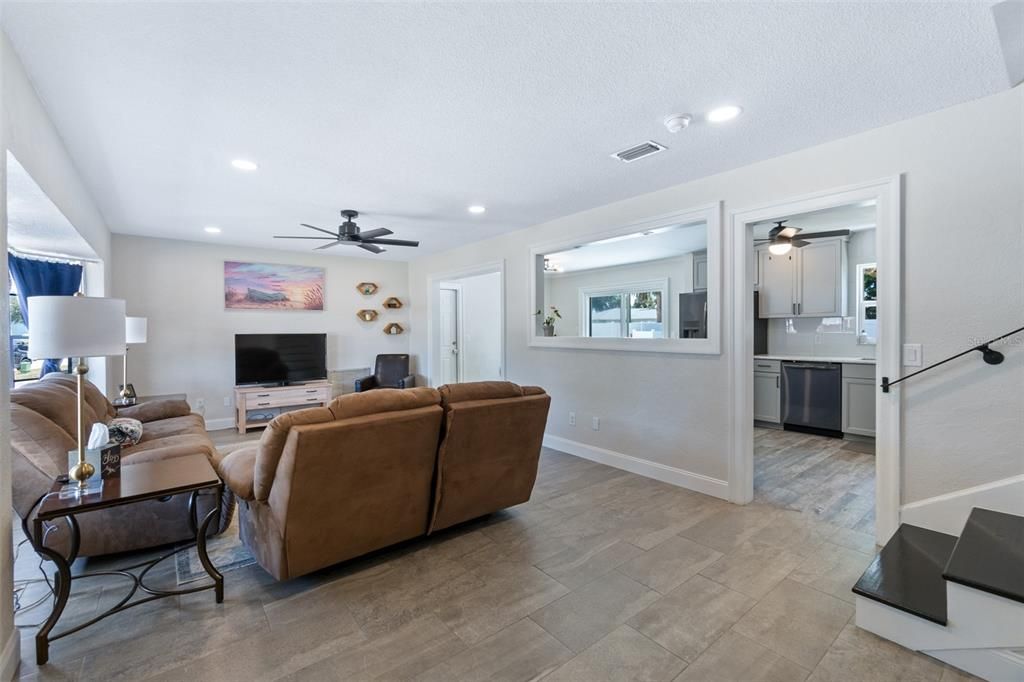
(477, 209)
(244, 164)
(722, 114)
(211, 229)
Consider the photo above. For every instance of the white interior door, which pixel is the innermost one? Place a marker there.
(449, 336)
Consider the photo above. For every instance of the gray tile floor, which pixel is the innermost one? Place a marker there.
(603, 575)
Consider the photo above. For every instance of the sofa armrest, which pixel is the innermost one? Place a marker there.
(238, 471)
(407, 382)
(155, 410)
(366, 383)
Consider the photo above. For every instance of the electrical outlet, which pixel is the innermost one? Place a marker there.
(227, 401)
(200, 403)
(572, 419)
(595, 423)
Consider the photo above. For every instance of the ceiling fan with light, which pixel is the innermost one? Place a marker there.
(349, 233)
(782, 238)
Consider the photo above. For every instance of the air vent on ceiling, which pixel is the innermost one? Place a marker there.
(639, 151)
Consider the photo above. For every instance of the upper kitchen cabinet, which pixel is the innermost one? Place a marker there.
(806, 282)
(700, 271)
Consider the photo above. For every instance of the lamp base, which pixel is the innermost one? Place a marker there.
(70, 491)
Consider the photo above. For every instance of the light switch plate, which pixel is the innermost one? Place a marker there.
(913, 356)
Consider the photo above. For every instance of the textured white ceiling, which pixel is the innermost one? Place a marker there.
(409, 112)
(34, 224)
(639, 247)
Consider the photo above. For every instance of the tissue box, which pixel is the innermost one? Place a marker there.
(106, 460)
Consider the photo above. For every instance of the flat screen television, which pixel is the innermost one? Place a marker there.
(280, 359)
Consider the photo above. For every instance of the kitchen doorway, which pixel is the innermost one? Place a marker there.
(787, 462)
(466, 335)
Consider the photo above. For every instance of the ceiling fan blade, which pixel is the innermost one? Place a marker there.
(373, 234)
(788, 231)
(371, 248)
(327, 246)
(390, 242)
(314, 227)
(292, 236)
(830, 233)
(799, 243)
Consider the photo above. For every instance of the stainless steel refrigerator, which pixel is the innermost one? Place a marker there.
(693, 315)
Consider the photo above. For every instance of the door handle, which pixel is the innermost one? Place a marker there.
(776, 382)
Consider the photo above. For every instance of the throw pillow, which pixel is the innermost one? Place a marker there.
(125, 430)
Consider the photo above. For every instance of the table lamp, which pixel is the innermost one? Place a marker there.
(134, 332)
(82, 327)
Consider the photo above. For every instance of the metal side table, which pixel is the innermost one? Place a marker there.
(138, 483)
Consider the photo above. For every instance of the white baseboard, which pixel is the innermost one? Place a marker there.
(11, 657)
(218, 424)
(659, 472)
(948, 513)
(997, 665)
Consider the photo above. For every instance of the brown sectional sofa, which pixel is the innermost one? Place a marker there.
(43, 430)
(324, 485)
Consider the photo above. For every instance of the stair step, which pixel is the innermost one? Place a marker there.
(907, 573)
(989, 555)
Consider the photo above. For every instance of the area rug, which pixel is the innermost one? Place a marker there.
(226, 551)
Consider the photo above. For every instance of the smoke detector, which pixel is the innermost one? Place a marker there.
(677, 122)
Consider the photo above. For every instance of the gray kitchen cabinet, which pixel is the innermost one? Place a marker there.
(859, 390)
(806, 282)
(767, 391)
(700, 271)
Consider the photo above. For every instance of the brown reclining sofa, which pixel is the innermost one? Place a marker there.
(327, 484)
(43, 430)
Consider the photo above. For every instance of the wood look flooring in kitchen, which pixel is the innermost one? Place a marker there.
(603, 575)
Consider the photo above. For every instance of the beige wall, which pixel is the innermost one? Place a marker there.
(963, 425)
(179, 287)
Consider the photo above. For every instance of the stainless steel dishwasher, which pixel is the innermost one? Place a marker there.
(812, 397)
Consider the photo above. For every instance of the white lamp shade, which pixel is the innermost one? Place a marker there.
(75, 326)
(134, 329)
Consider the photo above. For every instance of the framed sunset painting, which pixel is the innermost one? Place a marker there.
(266, 286)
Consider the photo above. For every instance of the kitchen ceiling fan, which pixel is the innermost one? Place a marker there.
(782, 238)
(349, 233)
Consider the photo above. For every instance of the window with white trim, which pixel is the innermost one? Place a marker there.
(635, 311)
(867, 303)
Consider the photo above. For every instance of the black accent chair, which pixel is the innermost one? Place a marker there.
(391, 371)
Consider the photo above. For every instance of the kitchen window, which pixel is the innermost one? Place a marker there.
(867, 303)
(634, 311)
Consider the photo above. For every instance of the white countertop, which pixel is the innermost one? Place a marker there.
(817, 358)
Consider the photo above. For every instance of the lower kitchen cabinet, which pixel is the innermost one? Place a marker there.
(859, 389)
(767, 397)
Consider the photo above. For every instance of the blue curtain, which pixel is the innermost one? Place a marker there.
(43, 278)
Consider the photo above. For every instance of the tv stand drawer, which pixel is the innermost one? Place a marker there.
(290, 395)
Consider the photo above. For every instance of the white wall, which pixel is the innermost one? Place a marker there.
(963, 425)
(29, 134)
(481, 327)
(179, 287)
(801, 336)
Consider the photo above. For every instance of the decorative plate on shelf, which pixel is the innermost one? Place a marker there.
(367, 315)
(392, 303)
(393, 328)
(367, 288)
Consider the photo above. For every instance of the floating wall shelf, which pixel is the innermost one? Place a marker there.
(367, 315)
(392, 303)
(367, 288)
(393, 328)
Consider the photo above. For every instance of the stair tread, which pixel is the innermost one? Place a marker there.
(989, 555)
(907, 573)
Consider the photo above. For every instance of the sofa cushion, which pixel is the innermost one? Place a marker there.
(479, 390)
(57, 403)
(94, 397)
(156, 410)
(176, 426)
(169, 447)
(382, 400)
(237, 470)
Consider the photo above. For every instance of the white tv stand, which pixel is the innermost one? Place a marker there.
(277, 399)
